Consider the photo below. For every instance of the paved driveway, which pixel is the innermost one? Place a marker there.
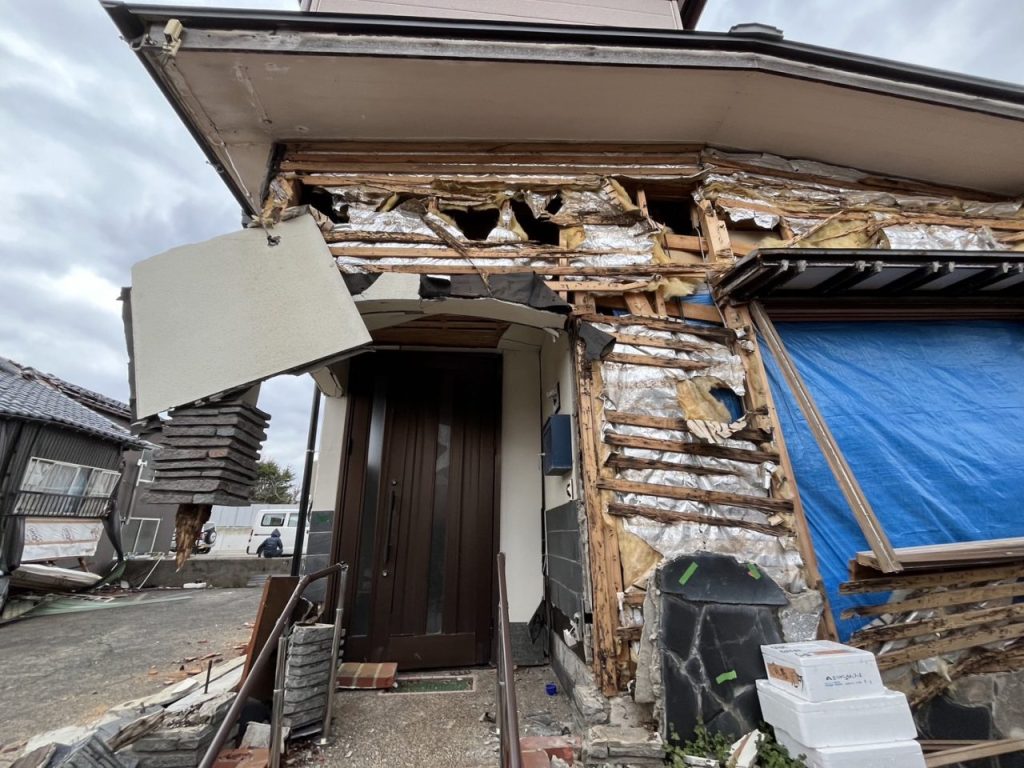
(68, 669)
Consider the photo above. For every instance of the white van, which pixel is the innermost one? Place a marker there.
(284, 520)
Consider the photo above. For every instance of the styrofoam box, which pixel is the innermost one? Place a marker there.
(873, 719)
(821, 670)
(894, 754)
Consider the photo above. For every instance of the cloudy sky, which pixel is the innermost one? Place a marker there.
(97, 172)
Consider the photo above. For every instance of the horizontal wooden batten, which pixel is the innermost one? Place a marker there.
(656, 362)
(967, 553)
(631, 462)
(697, 495)
(692, 449)
(670, 516)
(466, 166)
(872, 635)
(659, 343)
(940, 599)
(697, 244)
(940, 579)
(945, 645)
(593, 286)
(721, 335)
(482, 267)
(629, 634)
(677, 424)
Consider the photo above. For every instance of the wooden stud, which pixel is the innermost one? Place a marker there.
(660, 308)
(852, 492)
(759, 397)
(638, 304)
(716, 236)
(605, 568)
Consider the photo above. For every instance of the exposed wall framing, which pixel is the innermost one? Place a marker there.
(626, 234)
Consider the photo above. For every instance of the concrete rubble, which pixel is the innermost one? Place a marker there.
(170, 729)
(306, 679)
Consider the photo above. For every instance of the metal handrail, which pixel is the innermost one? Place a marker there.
(46, 504)
(508, 711)
(268, 650)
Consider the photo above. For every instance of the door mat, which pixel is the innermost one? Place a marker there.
(433, 684)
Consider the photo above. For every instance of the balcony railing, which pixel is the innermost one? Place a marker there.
(43, 504)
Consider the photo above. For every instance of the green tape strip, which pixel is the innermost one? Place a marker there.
(753, 571)
(687, 574)
(726, 676)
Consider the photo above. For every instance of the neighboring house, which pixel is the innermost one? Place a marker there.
(61, 464)
(146, 528)
(535, 270)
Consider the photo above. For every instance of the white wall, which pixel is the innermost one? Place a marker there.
(324, 494)
(556, 371)
(521, 519)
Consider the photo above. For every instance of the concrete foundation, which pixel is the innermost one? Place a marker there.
(224, 572)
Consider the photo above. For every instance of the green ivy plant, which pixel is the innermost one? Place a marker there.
(770, 754)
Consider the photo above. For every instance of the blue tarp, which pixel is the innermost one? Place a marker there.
(930, 416)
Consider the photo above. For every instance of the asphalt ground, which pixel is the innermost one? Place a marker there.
(70, 668)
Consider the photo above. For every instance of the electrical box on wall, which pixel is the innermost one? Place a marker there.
(557, 444)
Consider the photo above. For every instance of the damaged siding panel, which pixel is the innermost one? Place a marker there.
(220, 315)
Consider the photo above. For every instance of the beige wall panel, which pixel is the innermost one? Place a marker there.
(214, 316)
(521, 478)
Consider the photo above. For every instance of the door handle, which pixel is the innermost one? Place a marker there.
(392, 500)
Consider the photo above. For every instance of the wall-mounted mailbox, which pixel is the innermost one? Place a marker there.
(557, 444)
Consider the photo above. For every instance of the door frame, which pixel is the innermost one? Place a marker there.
(345, 539)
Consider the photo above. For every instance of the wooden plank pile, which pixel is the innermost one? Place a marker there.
(950, 599)
(208, 454)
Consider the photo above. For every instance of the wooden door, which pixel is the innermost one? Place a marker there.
(419, 518)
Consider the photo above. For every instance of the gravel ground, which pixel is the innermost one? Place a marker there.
(68, 669)
(378, 730)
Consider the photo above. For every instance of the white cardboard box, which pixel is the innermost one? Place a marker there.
(894, 754)
(821, 670)
(873, 719)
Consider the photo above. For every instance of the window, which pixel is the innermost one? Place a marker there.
(146, 470)
(84, 489)
(275, 519)
(293, 520)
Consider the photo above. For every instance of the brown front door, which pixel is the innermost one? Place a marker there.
(419, 508)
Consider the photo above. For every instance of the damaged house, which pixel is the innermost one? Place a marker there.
(717, 337)
(67, 469)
